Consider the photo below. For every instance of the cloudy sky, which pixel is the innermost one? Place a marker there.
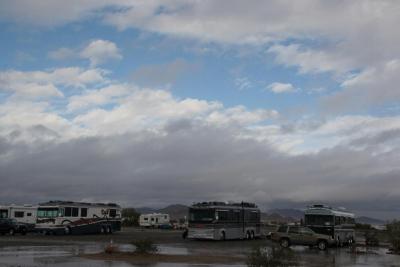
(149, 103)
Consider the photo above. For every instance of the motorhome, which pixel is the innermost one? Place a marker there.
(339, 224)
(67, 217)
(154, 220)
(21, 213)
(221, 220)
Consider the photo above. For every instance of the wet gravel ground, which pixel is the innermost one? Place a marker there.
(64, 251)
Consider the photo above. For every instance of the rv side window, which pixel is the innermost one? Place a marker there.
(18, 214)
(83, 212)
(29, 214)
(145, 218)
(75, 212)
(68, 211)
(113, 213)
(165, 217)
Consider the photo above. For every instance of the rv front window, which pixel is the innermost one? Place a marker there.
(47, 212)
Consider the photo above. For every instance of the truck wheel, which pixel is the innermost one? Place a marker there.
(248, 235)
(11, 231)
(285, 243)
(322, 245)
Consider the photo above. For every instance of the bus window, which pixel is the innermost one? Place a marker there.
(222, 215)
(201, 215)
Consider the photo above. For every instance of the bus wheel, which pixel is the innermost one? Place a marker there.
(102, 230)
(322, 245)
(285, 243)
(67, 230)
(248, 235)
(222, 236)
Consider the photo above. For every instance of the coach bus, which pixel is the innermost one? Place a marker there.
(67, 217)
(221, 221)
(338, 224)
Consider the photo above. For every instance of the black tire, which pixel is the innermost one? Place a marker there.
(102, 230)
(222, 236)
(322, 245)
(248, 236)
(23, 231)
(253, 236)
(285, 243)
(11, 231)
(67, 230)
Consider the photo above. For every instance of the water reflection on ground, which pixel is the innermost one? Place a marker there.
(67, 255)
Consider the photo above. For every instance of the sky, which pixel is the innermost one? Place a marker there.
(149, 103)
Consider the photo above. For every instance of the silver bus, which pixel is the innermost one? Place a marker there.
(338, 224)
(221, 221)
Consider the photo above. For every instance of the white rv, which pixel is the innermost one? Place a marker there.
(22, 214)
(67, 217)
(154, 220)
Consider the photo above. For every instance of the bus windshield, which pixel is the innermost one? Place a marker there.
(201, 215)
(323, 220)
(47, 212)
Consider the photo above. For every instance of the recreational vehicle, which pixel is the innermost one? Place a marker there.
(154, 220)
(67, 217)
(220, 221)
(22, 214)
(338, 224)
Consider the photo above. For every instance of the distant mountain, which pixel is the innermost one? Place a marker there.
(294, 214)
(369, 220)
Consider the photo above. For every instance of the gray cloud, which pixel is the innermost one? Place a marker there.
(194, 162)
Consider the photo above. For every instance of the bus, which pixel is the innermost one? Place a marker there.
(223, 221)
(68, 217)
(339, 224)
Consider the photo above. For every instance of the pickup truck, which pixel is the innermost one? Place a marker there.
(288, 235)
(11, 226)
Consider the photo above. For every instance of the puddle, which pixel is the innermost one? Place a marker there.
(66, 255)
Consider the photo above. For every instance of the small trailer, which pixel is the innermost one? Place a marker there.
(21, 213)
(157, 220)
(67, 217)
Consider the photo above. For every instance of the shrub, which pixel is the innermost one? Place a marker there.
(145, 246)
(275, 257)
(393, 230)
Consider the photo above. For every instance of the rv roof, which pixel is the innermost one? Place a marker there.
(217, 203)
(73, 203)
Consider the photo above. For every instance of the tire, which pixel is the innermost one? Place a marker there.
(322, 245)
(285, 243)
(252, 235)
(102, 230)
(11, 231)
(23, 231)
(222, 236)
(248, 236)
(67, 230)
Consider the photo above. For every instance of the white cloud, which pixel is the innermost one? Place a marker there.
(44, 83)
(100, 51)
(279, 88)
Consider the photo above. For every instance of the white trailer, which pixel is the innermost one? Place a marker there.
(21, 213)
(154, 220)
